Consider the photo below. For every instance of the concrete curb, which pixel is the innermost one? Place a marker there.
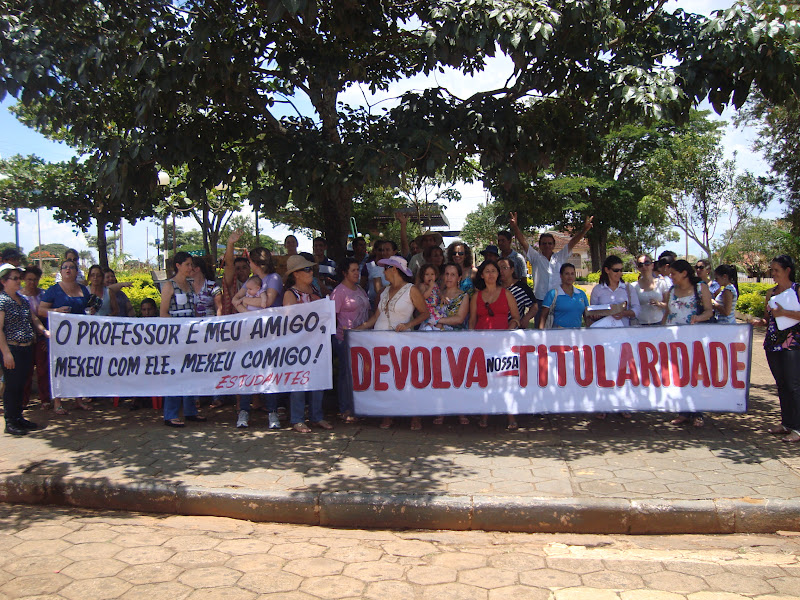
(414, 511)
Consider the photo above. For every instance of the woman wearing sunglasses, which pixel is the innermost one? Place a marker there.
(612, 290)
(492, 307)
(460, 254)
(650, 291)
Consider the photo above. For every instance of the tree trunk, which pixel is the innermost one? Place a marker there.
(336, 210)
(102, 243)
(598, 240)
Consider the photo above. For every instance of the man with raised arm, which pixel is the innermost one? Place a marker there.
(545, 262)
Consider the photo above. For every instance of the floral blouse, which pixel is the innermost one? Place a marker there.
(776, 339)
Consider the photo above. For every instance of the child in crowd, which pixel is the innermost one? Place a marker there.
(253, 289)
(426, 284)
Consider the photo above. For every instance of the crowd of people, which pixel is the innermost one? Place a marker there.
(416, 285)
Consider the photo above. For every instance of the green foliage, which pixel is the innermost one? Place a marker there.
(754, 244)
(751, 303)
(755, 288)
(626, 277)
(481, 227)
(142, 288)
(245, 89)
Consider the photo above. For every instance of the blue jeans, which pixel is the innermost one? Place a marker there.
(297, 406)
(270, 401)
(343, 382)
(172, 405)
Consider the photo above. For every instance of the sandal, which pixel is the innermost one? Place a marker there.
(46, 405)
(778, 430)
(416, 423)
(350, 419)
(301, 428)
(679, 420)
(217, 403)
(438, 421)
(512, 426)
(323, 425)
(483, 422)
(698, 422)
(386, 423)
(174, 423)
(792, 438)
(82, 406)
(60, 411)
(463, 420)
(600, 416)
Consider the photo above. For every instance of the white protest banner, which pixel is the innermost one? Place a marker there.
(274, 350)
(690, 368)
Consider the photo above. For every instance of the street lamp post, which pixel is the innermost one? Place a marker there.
(163, 181)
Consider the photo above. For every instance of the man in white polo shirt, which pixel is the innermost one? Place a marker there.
(546, 262)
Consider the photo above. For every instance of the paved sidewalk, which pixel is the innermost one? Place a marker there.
(58, 553)
(557, 473)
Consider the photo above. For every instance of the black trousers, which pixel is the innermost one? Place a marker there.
(15, 380)
(785, 367)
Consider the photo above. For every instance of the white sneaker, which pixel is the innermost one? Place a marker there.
(243, 420)
(274, 421)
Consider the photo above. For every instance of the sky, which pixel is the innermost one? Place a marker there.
(15, 138)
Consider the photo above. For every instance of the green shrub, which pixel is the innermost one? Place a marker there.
(751, 303)
(757, 288)
(626, 277)
(630, 277)
(142, 288)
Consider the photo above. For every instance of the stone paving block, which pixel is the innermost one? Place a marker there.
(332, 586)
(549, 578)
(670, 581)
(104, 588)
(149, 573)
(34, 585)
(296, 550)
(221, 593)
(144, 555)
(389, 590)
(319, 566)
(168, 590)
(519, 592)
(353, 554)
(515, 561)
(454, 591)
(375, 571)
(88, 569)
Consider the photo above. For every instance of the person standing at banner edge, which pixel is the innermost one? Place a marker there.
(177, 300)
(18, 329)
(782, 347)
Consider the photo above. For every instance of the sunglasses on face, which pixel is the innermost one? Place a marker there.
(616, 270)
(459, 253)
(698, 267)
(646, 263)
(307, 269)
(489, 309)
(68, 268)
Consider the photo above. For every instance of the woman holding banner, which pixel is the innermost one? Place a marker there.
(687, 302)
(612, 290)
(352, 309)
(519, 288)
(492, 307)
(300, 289)
(453, 312)
(177, 300)
(782, 346)
(396, 308)
(67, 296)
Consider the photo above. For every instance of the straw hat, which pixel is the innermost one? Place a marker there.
(297, 262)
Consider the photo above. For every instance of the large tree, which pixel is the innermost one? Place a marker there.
(246, 88)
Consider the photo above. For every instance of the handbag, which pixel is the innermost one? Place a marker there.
(548, 322)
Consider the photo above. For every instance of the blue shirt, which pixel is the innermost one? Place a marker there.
(58, 298)
(569, 309)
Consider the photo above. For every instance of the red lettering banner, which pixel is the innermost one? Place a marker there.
(690, 368)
